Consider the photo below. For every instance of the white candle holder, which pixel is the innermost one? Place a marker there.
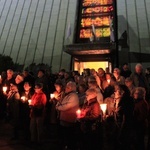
(103, 108)
(4, 89)
(108, 81)
(23, 98)
(30, 102)
(78, 113)
(52, 96)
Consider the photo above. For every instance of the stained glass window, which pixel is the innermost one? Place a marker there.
(95, 18)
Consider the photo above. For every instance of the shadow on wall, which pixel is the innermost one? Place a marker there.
(126, 46)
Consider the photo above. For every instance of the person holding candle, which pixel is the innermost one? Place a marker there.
(90, 122)
(13, 108)
(9, 79)
(56, 97)
(53, 114)
(67, 108)
(25, 109)
(6, 83)
(38, 102)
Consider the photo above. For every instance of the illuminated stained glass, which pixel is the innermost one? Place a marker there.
(99, 9)
(100, 32)
(98, 21)
(96, 2)
(97, 13)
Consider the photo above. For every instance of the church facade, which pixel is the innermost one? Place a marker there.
(35, 31)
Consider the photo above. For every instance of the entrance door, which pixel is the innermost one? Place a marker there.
(79, 66)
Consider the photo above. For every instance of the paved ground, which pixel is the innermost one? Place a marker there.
(7, 144)
(50, 142)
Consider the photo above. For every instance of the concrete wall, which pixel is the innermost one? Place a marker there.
(34, 30)
(134, 17)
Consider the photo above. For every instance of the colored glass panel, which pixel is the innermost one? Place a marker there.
(100, 32)
(96, 2)
(98, 21)
(99, 9)
(96, 16)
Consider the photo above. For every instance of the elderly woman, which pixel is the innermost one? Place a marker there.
(90, 121)
(67, 108)
(141, 111)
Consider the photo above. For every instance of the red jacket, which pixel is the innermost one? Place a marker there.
(38, 99)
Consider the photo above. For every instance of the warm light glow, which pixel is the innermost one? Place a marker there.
(79, 66)
(108, 80)
(30, 101)
(23, 98)
(52, 95)
(4, 89)
(103, 108)
(78, 113)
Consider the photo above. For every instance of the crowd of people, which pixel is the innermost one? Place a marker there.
(71, 102)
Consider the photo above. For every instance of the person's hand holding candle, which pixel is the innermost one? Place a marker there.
(52, 96)
(4, 89)
(30, 102)
(0, 79)
(23, 98)
(80, 113)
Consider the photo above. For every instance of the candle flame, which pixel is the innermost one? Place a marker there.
(52, 95)
(29, 101)
(23, 98)
(4, 88)
(103, 107)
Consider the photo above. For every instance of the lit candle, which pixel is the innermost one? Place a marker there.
(108, 80)
(29, 101)
(23, 98)
(4, 89)
(78, 113)
(52, 96)
(0, 79)
(103, 108)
